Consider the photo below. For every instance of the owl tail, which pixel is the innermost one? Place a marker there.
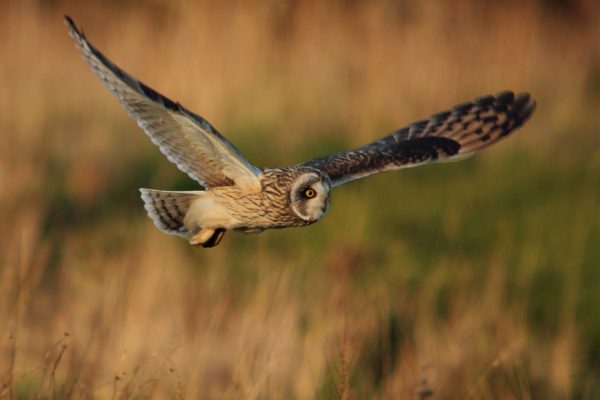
(167, 209)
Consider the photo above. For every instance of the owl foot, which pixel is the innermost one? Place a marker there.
(207, 237)
(215, 239)
(201, 236)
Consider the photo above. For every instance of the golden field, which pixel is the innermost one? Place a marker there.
(470, 280)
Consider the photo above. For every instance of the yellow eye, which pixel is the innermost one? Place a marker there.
(310, 193)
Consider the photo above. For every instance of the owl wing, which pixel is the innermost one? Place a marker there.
(446, 136)
(187, 139)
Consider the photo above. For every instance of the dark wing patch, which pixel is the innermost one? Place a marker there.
(456, 133)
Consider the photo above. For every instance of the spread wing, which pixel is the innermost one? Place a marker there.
(454, 134)
(187, 139)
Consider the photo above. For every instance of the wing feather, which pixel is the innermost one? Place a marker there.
(187, 139)
(445, 136)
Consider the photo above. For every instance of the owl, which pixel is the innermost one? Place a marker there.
(239, 196)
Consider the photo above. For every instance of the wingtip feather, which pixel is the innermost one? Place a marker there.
(74, 31)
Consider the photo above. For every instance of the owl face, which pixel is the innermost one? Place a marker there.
(309, 196)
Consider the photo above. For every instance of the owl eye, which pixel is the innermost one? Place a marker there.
(310, 193)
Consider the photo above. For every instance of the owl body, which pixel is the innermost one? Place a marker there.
(282, 202)
(242, 197)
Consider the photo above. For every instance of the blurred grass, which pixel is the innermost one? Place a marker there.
(477, 279)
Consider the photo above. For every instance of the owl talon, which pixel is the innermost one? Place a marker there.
(215, 239)
(201, 236)
(207, 237)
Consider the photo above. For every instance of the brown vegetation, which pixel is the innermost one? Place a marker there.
(478, 279)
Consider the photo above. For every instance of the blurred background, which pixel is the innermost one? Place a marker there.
(477, 279)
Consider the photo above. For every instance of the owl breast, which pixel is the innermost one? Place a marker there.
(254, 212)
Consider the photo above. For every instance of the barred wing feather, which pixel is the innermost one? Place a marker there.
(446, 136)
(187, 139)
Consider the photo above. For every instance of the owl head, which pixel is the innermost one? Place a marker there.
(309, 195)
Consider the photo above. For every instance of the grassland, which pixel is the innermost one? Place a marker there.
(478, 279)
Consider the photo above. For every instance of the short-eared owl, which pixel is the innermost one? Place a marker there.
(239, 196)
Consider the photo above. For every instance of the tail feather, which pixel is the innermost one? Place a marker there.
(168, 209)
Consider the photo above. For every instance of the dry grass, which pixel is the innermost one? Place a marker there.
(479, 281)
